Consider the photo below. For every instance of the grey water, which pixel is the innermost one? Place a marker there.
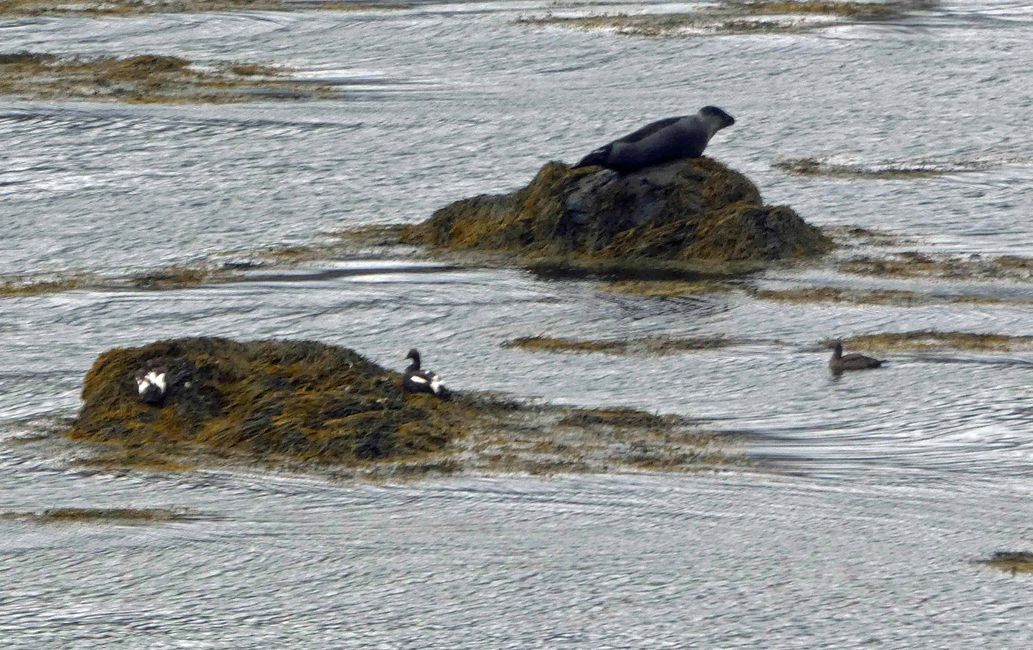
(879, 488)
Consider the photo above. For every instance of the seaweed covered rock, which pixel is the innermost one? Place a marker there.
(689, 210)
(304, 399)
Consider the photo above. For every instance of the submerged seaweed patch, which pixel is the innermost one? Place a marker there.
(735, 17)
(897, 297)
(143, 78)
(598, 440)
(176, 277)
(917, 264)
(884, 9)
(650, 345)
(856, 235)
(181, 276)
(662, 25)
(172, 277)
(136, 458)
(816, 167)
(667, 288)
(921, 340)
(102, 515)
(891, 170)
(617, 417)
(139, 7)
(1011, 561)
(25, 287)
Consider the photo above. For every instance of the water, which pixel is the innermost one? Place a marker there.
(884, 484)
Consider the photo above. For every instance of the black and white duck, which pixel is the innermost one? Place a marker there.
(152, 384)
(415, 380)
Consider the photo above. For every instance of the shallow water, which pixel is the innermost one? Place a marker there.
(885, 484)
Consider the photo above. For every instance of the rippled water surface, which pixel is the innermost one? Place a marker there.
(881, 486)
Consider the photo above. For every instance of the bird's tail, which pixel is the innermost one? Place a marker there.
(597, 157)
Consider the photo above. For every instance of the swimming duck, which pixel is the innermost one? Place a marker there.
(840, 362)
(151, 384)
(415, 380)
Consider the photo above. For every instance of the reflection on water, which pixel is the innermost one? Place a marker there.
(886, 482)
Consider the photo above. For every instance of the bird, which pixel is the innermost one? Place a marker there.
(151, 384)
(415, 380)
(663, 141)
(840, 362)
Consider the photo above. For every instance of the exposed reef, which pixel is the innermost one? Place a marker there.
(298, 398)
(311, 406)
(691, 215)
(138, 7)
(145, 79)
(734, 17)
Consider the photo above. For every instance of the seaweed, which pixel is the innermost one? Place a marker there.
(667, 288)
(897, 297)
(117, 8)
(736, 17)
(143, 78)
(300, 399)
(104, 515)
(309, 406)
(617, 417)
(1011, 561)
(921, 340)
(911, 264)
(657, 345)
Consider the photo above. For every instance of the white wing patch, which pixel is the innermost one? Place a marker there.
(157, 379)
(417, 379)
(151, 379)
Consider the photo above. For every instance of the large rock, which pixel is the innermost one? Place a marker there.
(690, 210)
(303, 399)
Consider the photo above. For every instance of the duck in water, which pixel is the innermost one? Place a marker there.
(840, 362)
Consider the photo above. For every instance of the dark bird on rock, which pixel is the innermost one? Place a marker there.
(663, 141)
(415, 380)
(840, 362)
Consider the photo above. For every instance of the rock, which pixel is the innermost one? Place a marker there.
(311, 407)
(302, 399)
(689, 210)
